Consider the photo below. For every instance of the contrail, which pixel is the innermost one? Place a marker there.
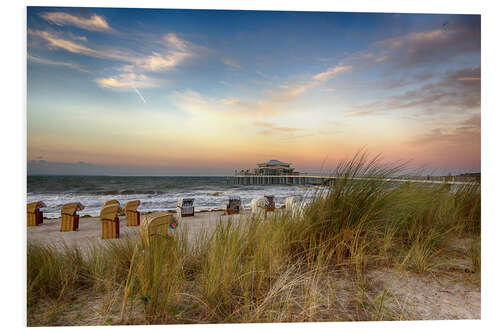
(138, 93)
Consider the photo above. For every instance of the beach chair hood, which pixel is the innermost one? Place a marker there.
(34, 205)
(157, 224)
(110, 212)
(132, 205)
(71, 208)
(111, 202)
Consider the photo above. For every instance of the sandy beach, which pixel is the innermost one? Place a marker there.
(90, 228)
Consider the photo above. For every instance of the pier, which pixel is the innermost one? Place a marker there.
(326, 180)
(275, 172)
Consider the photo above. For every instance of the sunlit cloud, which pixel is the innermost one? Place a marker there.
(468, 79)
(157, 62)
(93, 23)
(127, 80)
(176, 52)
(56, 63)
(56, 42)
(174, 41)
(467, 132)
(273, 103)
(328, 74)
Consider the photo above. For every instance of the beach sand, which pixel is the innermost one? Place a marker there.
(90, 228)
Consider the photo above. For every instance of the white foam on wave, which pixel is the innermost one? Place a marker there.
(204, 199)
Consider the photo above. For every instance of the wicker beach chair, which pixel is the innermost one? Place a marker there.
(185, 207)
(157, 226)
(34, 214)
(133, 216)
(261, 206)
(270, 205)
(234, 205)
(111, 202)
(69, 217)
(110, 221)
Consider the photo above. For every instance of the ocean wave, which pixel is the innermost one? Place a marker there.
(155, 193)
(203, 200)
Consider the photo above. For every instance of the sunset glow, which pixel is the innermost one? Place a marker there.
(198, 92)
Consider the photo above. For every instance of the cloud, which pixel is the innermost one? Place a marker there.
(273, 102)
(328, 74)
(157, 62)
(127, 81)
(194, 103)
(465, 133)
(269, 128)
(432, 46)
(55, 42)
(231, 63)
(415, 50)
(174, 41)
(92, 23)
(76, 37)
(449, 94)
(287, 93)
(56, 63)
(469, 79)
(129, 76)
(176, 52)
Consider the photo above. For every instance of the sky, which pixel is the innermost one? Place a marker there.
(121, 91)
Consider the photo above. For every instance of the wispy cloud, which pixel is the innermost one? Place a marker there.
(449, 94)
(93, 22)
(328, 74)
(130, 76)
(268, 128)
(231, 63)
(157, 62)
(468, 79)
(76, 37)
(176, 51)
(432, 46)
(467, 132)
(127, 81)
(56, 63)
(174, 41)
(56, 42)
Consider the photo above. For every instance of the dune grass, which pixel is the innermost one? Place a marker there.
(292, 266)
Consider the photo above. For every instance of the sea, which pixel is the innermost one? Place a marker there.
(155, 193)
